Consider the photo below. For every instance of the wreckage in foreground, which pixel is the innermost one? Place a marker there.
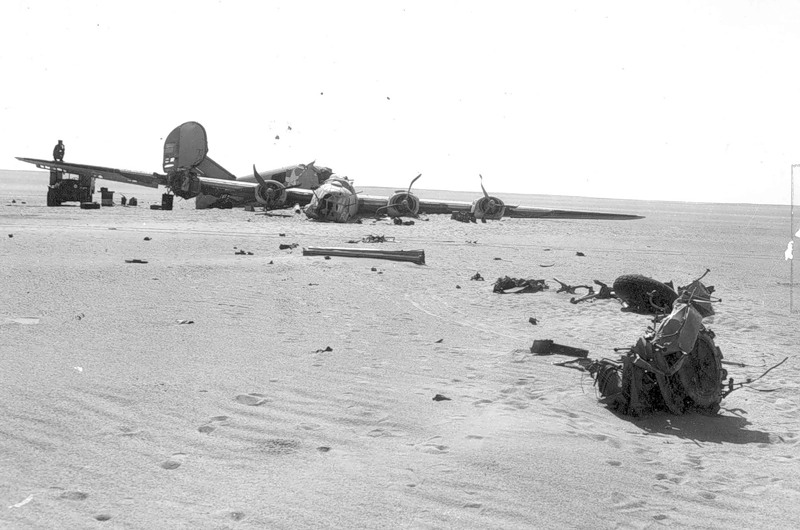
(676, 366)
(191, 173)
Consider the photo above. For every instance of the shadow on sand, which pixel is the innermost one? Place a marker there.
(703, 428)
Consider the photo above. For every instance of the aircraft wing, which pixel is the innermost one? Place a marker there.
(370, 204)
(151, 180)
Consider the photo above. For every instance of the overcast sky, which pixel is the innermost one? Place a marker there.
(648, 100)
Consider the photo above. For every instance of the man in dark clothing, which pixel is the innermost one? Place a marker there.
(58, 152)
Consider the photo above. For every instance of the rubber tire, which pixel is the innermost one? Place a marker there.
(701, 374)
(634, 289)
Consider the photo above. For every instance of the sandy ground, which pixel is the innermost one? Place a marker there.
(117, 416)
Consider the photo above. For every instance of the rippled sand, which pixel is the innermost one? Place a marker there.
(117, 415)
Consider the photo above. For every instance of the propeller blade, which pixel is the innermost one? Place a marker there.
(258, 177)
(484, 189)
(412, 183)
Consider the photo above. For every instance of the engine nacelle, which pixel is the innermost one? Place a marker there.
(488, 208)
(271, 194)
(402, 203)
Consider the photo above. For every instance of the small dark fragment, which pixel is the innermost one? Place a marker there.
(323, 449)
(580, 254)
(477, 277)
(464, 217)
(458, 287)
(327, 257)
(439, 341)
(439, 397)
(373, 269)
(506, 284)
(147, 238)
(284, 246)
(327, 348)
(498, 259)
(282, 235)
(533, 321)
(10, 235)
(102, 517)
(135, 261)
(270, 262)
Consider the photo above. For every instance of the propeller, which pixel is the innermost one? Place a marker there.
(492, 206)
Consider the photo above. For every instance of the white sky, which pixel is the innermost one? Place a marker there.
(671, 100)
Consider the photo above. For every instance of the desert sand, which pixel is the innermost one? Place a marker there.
(116, 415)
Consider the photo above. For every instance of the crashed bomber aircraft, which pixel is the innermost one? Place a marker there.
(191, 173)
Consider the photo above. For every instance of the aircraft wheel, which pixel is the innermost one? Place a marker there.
(635, 289)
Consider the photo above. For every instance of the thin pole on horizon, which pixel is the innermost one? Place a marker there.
(791, 240)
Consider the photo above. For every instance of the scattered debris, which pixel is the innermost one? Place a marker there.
(375, 239)
(571, 289)
(605, 293)
(439, 397)
(373, 269)
(414, 256)
(135, 260)
(284, 246)
(242, 253)
(148, 238)
(506, 285)
(675, 366)
(548, 347)
(326, 349)
(581, 254)
(185, 321)
(464, 217)
(477, 277)
(533, 321)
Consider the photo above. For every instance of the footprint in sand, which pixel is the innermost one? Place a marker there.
(174, 462)
(252, 400)
(74, 496)
(213, 423)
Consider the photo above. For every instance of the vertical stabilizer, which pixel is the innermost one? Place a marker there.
(187, 147)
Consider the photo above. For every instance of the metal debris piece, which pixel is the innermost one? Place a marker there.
(507, 285)
(548, 347)
(572, 289)
(533, 320)
(135, 260)
(477, 277)
(414, 256)
(439, 397)
(284, 246)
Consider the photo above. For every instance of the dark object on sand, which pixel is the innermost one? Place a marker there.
(133, 202)
(464, 217)
(580, 254)
(10, 235)
(548, 347)
(135, 260)
(90, 206)
(148, 238)
(414, 256)
(439, 341)
(533, 321)
(439, 397)
(507, 285)
(477, 277)
(643, 294)
(283, 246)
(571, 289)
(605, 293)
(325, 349)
